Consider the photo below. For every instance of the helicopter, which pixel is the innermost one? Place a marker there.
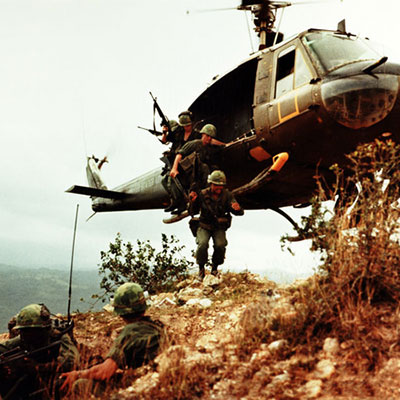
(312, 98)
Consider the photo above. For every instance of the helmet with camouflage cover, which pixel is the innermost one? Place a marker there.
(129, 299)
(173, 125)
(210, 130)
(217, 178)
(33, 316)
(185, 118)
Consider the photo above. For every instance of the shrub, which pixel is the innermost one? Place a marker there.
(154, 271)
(359, 277)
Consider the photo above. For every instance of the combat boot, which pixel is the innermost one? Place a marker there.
(214, 270)
(171, 207)
(180, 209)
(202, 272)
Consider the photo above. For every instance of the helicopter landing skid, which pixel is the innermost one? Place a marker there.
(176, 218)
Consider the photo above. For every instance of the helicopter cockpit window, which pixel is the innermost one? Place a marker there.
(331, 51)
(302, 72)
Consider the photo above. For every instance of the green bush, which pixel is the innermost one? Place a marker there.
(154, 271)
(358, 282)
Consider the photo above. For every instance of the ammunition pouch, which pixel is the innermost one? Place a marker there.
(188, 162)
(194, 224)
(224, 222)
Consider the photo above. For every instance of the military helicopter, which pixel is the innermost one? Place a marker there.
(295, 106)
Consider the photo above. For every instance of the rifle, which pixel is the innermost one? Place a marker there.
(18, 353)
(152, 131)
(178, 183)
(164, 118)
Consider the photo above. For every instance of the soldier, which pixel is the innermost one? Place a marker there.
(137, 344)
(197, 169)
(30, 362)
(215, 204)
(181, 133)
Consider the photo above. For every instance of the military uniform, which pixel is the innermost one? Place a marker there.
(34, 376)
(198, 159)
(137, 344)
(177, 138)
(215, 218)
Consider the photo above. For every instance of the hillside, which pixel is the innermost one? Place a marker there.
(240, 336)
(22, 286)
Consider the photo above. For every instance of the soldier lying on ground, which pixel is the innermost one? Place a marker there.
(31, 361)
(137, 344)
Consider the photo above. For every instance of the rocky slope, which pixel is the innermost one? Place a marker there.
(237, 337)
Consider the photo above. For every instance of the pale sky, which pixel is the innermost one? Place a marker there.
(74, 81)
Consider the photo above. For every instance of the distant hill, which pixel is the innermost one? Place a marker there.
(22, 286)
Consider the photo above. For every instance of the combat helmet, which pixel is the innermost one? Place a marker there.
(209, 130)
(33, 316)
(173, 125)
(185, 118)
(217, 177)
(129, 299)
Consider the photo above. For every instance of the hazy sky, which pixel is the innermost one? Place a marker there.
(74, 81)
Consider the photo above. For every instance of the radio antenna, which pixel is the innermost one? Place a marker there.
(72, 263)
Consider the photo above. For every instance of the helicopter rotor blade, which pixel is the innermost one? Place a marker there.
(206, 10)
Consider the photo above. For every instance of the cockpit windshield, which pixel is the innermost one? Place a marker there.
(331, 50)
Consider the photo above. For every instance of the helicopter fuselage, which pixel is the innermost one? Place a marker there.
(315, 96)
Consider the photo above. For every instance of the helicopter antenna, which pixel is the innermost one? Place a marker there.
(279, 25)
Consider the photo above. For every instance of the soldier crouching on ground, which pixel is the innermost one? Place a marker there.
(137, 344)
(215, 205)
(31, 361)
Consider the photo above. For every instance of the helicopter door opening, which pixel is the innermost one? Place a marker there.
(285, 71)
(292, 71)
(228, 102)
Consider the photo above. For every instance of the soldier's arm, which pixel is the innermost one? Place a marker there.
(165, 134)
(68, 357)
(217, 142)
(100, 372)
(182, 153)
(235, 206)
(174, 170)
(194, 203)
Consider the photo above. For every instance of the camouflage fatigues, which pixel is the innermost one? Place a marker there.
(205, 160)
(39, 372)
(137, 344)
(214, 220)
(177, 138)
(139, 341)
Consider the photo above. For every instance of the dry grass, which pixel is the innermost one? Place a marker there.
(227, 351)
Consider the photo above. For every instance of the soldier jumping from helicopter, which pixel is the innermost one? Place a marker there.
(181, 133)
(194, 160)
(215, 205)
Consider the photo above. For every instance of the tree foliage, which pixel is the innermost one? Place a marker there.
(154, 271)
